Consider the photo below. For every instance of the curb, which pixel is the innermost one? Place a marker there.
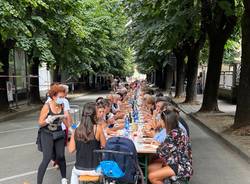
(14, 115)
(220, 137)
(236, 148)
(34, 108)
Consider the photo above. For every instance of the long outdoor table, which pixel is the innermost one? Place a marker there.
(145, 151)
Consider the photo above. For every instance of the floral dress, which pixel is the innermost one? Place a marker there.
(176, 152)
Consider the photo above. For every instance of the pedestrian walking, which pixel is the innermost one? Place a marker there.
(52, 135)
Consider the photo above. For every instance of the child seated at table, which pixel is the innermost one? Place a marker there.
(87, 137)
(160, 106)
(111, 126)
(156, 127)
(174, 159)
(115, 107)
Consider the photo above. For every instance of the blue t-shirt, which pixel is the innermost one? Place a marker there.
(161, 136)
(182, 128)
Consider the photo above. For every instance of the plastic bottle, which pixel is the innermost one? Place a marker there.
(130, 119)
(126, 127)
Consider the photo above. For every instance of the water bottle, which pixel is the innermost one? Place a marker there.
(74, 126)
(126, 127)
(137, 116)
(130, 118)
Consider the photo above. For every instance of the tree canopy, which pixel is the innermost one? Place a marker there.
(78, 36)
(157, 27)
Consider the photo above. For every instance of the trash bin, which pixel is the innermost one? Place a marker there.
(75, 112)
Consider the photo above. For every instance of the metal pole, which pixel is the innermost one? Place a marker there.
(234, 74)
(27, 78)
(16, 96)
(72, 87)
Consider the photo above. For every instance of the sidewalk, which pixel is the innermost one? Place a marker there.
(27, 109)
(219, 125)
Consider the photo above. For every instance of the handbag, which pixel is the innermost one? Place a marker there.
(38, 140)
(58, 135)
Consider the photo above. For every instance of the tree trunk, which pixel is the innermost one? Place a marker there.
(4, 59)
(93, 82)
(168, 78)
(152, 78)
(148, 77)
(193, 63)
(179, 90)
(159, 81)
(87, 81)
(56, 74)
(34, 82)
(242, 116)
(216, 51)
(219, 27)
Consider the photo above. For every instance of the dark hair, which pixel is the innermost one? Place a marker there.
(127, 86)
(148, 90)
(170, 119)
(165, 105)
(99, 99)
(160, 99)
(100, 104)
(158, 93)
(85, 131)
(163, 98)
(106, 102)
(172, 108)
(120, 94)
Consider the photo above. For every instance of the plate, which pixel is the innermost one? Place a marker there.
(150, 146)
(147, 140)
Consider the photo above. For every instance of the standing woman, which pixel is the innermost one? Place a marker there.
(52, 135)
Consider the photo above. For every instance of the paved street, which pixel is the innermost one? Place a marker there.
(214, 163)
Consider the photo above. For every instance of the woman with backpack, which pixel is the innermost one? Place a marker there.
(174, 154)
(87, 137)
(52, 136)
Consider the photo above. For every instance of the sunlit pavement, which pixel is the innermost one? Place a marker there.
(214, 163)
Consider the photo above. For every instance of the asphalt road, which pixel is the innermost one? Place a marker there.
(214, 162)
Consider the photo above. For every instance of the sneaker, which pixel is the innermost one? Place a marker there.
(64, 181)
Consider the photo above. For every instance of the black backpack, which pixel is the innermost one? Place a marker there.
(127, 163)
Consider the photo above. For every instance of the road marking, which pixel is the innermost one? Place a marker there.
(17, 130)
(17, 146)
(29, 173)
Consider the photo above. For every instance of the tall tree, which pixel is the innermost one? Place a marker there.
(220, 21)
(15, 23)
(155, 29)
(196, 43)
(242, 116)
(192, 65)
